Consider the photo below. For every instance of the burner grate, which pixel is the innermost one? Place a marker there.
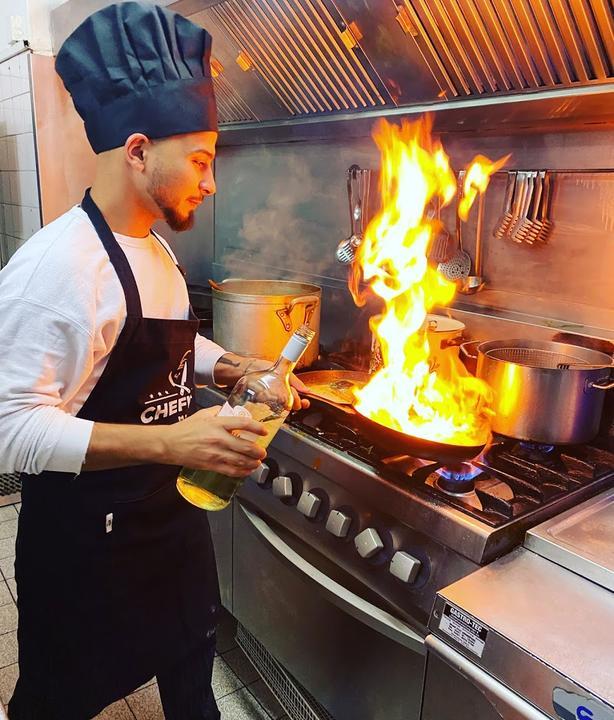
(514, 479)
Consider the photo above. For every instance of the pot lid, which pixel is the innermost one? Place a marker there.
(442, 323)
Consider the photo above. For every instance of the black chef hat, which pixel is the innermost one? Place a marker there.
(136, 67)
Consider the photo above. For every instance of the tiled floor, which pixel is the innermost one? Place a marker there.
(238, 689)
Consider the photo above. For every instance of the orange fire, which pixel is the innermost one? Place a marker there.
(446, 403)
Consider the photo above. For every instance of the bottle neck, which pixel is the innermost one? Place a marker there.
(283, 367)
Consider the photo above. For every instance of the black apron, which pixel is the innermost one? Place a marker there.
(115, 571)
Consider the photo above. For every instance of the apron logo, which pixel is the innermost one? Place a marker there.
(171, 401)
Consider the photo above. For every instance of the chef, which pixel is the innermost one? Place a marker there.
(115, 572)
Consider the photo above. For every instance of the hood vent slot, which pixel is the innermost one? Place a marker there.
(307, 56)
(230, 106)
(475, 47)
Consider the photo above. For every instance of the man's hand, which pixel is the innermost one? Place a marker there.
(230, 367)
(209, 442)
(203, 441)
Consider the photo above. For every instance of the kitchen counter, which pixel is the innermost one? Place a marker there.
(539, 627)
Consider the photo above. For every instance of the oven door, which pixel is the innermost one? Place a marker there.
(456, 689)
(356, 659)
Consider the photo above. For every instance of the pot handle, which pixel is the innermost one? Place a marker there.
(309, 301)
(609, 384)
(215, 285)
(456, 342)
(464, 348)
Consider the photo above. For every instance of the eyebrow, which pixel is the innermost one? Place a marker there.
(202, 151)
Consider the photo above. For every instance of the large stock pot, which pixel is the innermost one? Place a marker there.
(257, 317)
(545, 392)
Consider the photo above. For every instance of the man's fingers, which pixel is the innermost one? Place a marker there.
(244, 424)
(245, 447)
(297, 383)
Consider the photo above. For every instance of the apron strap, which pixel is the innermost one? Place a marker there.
(116, 255)
(168, 252)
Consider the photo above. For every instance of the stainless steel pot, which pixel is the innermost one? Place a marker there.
(539, 400)
(256, 317)
(445, 335)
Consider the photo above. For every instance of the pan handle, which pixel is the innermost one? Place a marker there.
(309, 301)
(215, 285)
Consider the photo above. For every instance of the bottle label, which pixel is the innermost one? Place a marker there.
(236, 411)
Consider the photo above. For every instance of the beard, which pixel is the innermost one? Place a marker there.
(175, 221)
(159, 194)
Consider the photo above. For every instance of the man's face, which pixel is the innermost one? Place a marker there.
(181, 175)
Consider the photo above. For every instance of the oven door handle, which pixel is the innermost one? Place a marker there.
(349, 602)
(506, 702)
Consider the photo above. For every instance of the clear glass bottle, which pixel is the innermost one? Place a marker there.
(263, 395)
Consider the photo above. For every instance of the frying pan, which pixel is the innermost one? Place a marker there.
(334, 386)
(388, 439)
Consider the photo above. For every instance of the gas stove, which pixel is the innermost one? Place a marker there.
(509, 481)
(399, 528)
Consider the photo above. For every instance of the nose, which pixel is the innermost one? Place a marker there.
(207, 184)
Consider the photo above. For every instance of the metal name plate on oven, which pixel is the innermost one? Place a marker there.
(463, 628)
(571, 706)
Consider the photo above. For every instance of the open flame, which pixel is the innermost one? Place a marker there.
(445, 404)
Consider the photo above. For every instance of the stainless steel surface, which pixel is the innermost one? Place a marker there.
(479, 50)
(445, 335)
(444, 696)
(296, 701)
(536, 401)
(581, 540)
(221, 534)
(301, 53)
(257, 317)
(547, 628)
(322, 625)
(348, 601)
(319, 60)
(358, 184)
(535, 357)
(475, 282)
(458, 266)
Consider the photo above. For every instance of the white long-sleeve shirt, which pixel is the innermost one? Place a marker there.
(62, 309)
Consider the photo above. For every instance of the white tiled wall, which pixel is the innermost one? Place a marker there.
(20, 215)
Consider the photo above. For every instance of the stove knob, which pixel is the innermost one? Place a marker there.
(338, 523)
(405, 566)
(282, 487)
(368, 543)
(309, 504)
(260, 474)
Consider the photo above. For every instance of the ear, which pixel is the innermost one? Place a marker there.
(136, 149)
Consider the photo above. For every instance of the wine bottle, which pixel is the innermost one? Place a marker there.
(262, 395)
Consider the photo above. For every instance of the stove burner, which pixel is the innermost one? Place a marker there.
(509, 481)
(538, 448)
(459, 479)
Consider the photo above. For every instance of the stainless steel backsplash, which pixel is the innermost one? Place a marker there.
(280, 210)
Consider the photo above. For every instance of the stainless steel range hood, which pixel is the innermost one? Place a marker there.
(480, 63)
